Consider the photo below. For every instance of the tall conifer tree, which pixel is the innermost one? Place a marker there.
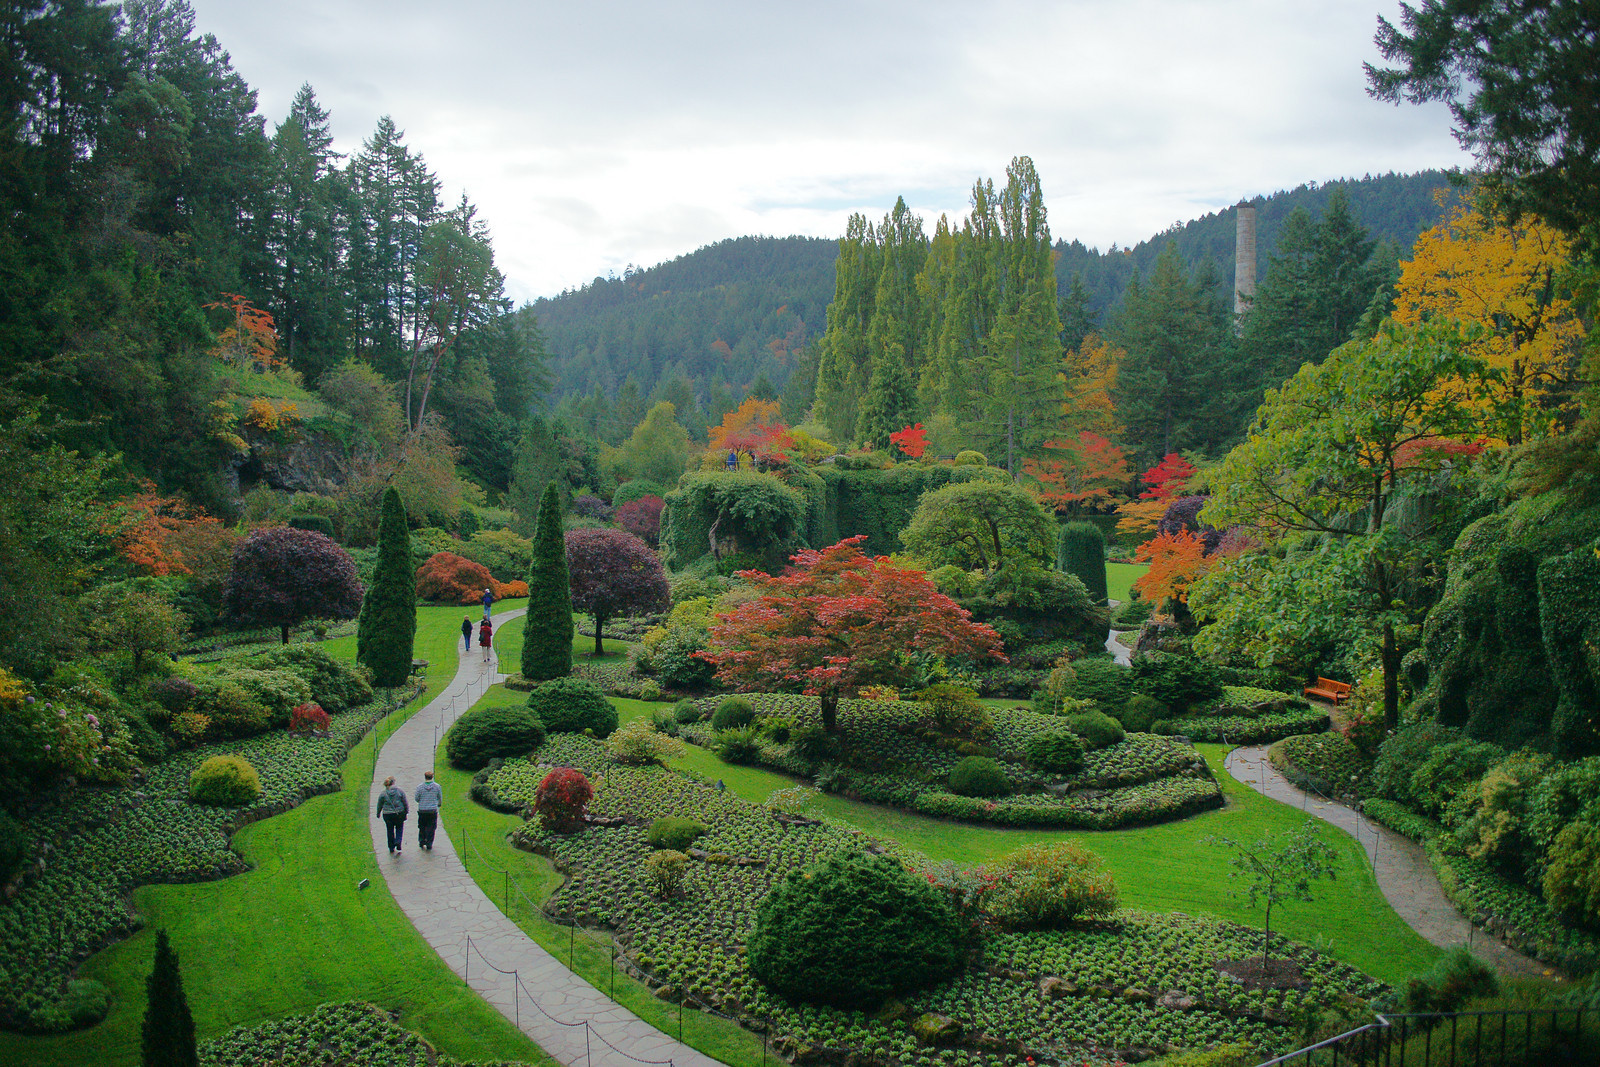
(547, 634)
(387, 629)
(168, 1030)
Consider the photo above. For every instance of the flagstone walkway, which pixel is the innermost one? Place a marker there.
(568, 1018)
(1399, 864)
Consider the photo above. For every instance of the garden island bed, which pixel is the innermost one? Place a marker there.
(1129, 985)
(887, 752)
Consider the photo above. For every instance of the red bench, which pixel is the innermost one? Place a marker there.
(1329, 690)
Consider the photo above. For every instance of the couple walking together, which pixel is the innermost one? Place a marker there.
(393, 809)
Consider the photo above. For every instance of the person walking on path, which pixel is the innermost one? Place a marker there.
(466, 633)
(393, 807)
(486, 638)
(429, 798)
(488, 598)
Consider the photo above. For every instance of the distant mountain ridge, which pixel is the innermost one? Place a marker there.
(733, 311)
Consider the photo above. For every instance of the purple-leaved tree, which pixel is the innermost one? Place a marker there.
(614, 573)
(282, 576)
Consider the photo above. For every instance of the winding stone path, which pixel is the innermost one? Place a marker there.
(1399, 864)
(447, 907)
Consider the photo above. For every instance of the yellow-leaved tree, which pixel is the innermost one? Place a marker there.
(1475, 268)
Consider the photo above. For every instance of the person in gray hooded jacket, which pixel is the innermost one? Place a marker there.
(429, 797)
(393, 807)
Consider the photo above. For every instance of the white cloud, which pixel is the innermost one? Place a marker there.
(592, 136)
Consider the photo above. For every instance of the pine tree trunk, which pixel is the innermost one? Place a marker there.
(830, 710)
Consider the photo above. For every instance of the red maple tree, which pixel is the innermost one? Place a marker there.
(1167, 478)
(561, 800)
(913, 441)
(1088, 470)
(1177, 560)
(838, 620)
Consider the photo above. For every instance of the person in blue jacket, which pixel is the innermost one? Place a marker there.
(393, 807)
(488, 598)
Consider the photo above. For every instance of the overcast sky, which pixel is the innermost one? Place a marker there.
(593, 135)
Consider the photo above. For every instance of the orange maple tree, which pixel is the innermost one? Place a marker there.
(755, 428)
(1087, 470)
(167, 535)
(912, 441)
(1177, 561)
(252, 340)
(836, 621)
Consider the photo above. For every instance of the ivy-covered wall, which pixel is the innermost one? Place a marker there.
(833, 502)
(1509, 653)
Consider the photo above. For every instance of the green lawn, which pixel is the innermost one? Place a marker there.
(294, 932)
(1120, 578)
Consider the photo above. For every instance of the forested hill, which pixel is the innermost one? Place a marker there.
(725, 314)
(1392, 207)
(729, 313)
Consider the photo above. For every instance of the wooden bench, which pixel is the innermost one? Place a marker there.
(1329, 690)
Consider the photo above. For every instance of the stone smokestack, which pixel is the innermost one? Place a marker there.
(1244, 259)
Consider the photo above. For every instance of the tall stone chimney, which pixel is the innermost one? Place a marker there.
(1244, 259)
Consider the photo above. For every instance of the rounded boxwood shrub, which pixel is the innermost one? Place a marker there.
(979, 776)
(483, 734)
(1060, 752)
(224, 781)
(637, 489)
(968, 458)
(1101, 681)
(685, 712)
(733, 713)
(85, 1003)
(852, 930)
(1179, 682)
(1140, 712)
(1096, 728)
(572, 706)
(674, 832)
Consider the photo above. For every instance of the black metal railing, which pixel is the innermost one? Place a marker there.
(1532, 1037)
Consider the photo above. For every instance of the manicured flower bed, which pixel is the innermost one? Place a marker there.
(335, 1035)
(887, 754)
(1328, 763)
(100, 844)
(1245, 729)
(1138, 981)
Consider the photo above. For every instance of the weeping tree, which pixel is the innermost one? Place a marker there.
(387, 628)
(547, 635)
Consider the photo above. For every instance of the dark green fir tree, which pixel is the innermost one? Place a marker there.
(547, 636)
(387, 629)
(891, 401)
(168, 1025)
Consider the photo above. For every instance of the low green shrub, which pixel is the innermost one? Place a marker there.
(487, 733)
(1047, 886)
(666, 870)
(1244, 730)
(969, 458)
(1139, 712)
(1400, 819)
(955, 710)
(224, 782)
(1061, 752)
(674, 832)
(1399, 757)
(852, 930)
(732, 713)
(686, 712)
(572, 705)
(1572, 877)
(1102, 681)
(1179, 682)
(1450, 983)
(638, 742)
(86, 1002)
(335, 684)
(741, 744)
(1451, 770)
(979, 776)
(1097, 729)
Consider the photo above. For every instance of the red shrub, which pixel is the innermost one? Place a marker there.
(308, 717)
(450, 579)
(561, 799)
(642, 517)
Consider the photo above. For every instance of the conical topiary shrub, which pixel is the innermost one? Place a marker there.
(387, 629)
(1081, 551)
(168, 1030)
(547, 636)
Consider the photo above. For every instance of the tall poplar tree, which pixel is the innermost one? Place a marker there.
(386, 631)
(846, 357)
(168, 1030)
(548, 631)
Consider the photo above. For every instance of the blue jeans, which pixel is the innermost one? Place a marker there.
(396, 825)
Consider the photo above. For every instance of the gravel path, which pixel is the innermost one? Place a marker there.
(568, 1018)
(1399, 864)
